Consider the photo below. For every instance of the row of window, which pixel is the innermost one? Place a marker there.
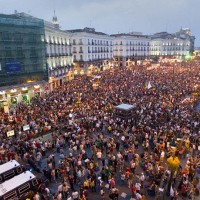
(134, 54)
(175, 44)
(94, 57)
(21, 37)
(133, 43)
(169, 49)
(170, 44)
(134, 49)
(92, 42)
(59, 50)
(58, 40)
(168, 54)
(54, 63)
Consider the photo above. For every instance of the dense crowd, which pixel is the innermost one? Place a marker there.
(93, 151)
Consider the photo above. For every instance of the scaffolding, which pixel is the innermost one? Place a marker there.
(22, 45)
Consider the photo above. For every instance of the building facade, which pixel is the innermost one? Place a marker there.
(23, 66)
(177, 45)
(59, 55)
(91, 50)
(129, 48)
(186, 33)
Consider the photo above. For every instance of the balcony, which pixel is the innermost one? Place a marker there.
(80, 43)
(74, 51)
(81, 51)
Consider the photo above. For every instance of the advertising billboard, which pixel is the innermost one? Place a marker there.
(13, 67)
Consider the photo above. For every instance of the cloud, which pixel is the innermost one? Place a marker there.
(112, 16)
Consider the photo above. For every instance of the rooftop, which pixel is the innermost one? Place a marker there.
(129, 35)
(125, 107)
(15, 182)
(86, 30)
(8, 165)
(21, 19)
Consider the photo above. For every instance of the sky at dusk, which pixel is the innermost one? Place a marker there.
(114, 16)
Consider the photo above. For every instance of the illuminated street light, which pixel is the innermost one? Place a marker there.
(13, 90)
(36, 86)
(2, 92)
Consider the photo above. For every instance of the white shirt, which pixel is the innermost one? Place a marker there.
(60, 188)
(142, 177)
(75, 195)
(137, 186)
(59, 197)
(162, 154)
(171, 192)
(99, 154)
(138, 196)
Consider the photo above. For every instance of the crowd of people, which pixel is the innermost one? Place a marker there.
(91, 153)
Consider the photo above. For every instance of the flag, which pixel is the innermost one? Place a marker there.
(149, 85)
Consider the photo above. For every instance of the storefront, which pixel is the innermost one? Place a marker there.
(14, 98)
(23, 93)
(25, 96)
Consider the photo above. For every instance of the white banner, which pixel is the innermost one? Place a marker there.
(10, 133)
(26, 127)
